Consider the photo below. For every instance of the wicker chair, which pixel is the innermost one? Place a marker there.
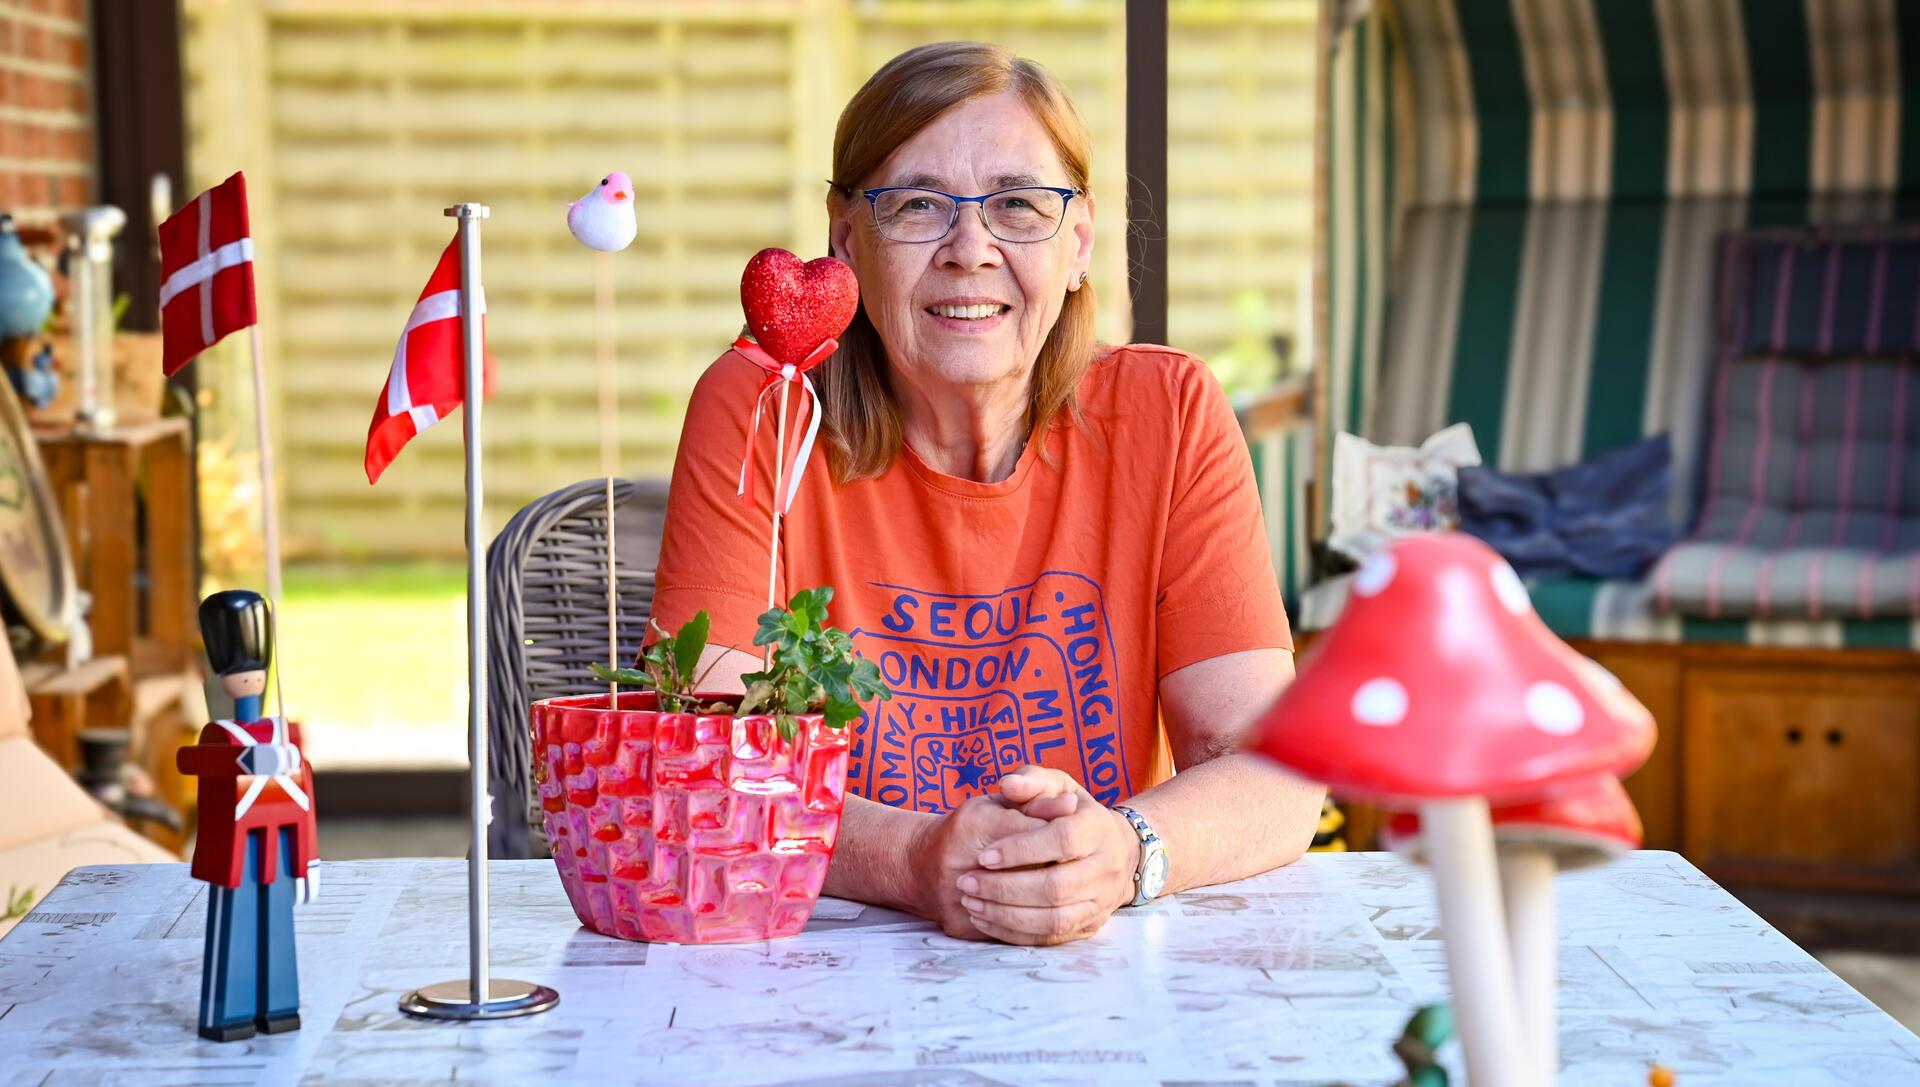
(547, 603)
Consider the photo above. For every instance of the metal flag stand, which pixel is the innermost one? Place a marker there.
(476, 996)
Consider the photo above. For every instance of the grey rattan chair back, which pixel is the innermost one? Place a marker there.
(547, 605)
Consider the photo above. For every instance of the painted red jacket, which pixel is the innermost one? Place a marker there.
(233, 800)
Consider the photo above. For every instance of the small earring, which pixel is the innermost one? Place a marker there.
(1082, 283)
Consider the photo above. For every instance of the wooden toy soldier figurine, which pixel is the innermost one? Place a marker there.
(256, 833)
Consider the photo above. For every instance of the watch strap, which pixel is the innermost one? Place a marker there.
(1139, 823)
(1149, 846)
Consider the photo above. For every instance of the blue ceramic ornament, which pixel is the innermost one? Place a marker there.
(26, 294)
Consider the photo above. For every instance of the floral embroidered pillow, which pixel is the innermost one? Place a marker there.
(1381, 492)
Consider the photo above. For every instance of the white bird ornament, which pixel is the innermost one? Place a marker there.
(603, 219)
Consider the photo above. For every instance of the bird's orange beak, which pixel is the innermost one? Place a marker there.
(618, 195)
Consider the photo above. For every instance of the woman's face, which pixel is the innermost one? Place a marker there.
(975, 148)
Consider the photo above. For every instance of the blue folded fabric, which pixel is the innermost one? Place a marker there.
(1604, 518)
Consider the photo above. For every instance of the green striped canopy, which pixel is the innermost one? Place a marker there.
(1523, 201)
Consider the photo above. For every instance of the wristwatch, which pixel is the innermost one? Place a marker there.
(1150, 875)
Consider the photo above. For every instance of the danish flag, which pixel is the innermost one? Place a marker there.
(206, 268)
(427, 378)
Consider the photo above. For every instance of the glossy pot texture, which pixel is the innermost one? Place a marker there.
(687, 828)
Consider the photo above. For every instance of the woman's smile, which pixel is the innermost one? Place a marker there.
(968, 315)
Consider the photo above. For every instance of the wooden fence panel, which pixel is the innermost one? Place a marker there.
(358, 121)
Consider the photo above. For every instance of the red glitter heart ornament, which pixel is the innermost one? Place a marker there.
(794, 307)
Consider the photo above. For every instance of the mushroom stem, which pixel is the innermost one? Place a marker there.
(1466, 879)
(1526, 884)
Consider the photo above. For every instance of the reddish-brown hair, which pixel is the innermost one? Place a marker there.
(862, 417)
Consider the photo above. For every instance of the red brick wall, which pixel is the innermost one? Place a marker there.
(46, 109)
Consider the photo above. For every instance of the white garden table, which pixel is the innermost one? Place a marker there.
(1302, 976)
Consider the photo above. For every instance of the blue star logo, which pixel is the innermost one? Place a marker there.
(967, 775)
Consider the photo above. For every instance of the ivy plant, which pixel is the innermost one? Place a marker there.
(812, 669)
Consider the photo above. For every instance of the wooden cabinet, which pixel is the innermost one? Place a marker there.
(1793, 768)
(1804, 776)
(1653, 674)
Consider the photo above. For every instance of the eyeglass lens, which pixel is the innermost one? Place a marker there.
(923, 215)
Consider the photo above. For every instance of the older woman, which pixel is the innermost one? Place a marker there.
(1052, 549)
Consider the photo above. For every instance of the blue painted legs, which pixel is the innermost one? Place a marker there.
(280, 978)
(250, 981)
(229, 988)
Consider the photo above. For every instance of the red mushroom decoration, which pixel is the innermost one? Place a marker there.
(1439, 689)
(1592, 822)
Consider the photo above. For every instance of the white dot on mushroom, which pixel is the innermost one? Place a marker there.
(1510, 589)
(1380, 702)
(1375, 574)
(1553, 709)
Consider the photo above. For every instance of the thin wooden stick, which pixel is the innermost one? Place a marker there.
(609, 439)
(269, 514)
(779, 490)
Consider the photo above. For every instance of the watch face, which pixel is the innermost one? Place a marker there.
(1154, 878)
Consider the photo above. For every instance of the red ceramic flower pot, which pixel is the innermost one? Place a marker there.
(687, 828)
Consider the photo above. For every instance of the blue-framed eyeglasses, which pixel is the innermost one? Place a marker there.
(1030, 213)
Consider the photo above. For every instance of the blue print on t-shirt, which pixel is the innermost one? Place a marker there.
(985, 684)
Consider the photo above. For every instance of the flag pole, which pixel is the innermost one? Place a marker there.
(269, 508)
(478, 996)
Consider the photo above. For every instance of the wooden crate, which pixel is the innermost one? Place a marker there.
(127, 499)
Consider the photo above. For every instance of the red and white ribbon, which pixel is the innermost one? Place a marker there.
(778, 372)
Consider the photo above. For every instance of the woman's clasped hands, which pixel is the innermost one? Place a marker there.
(1040, 862)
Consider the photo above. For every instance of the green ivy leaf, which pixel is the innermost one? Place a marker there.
(866, 681)
(689, 643)
(789, 728)
(772, 625)
(839, 711)
(834, 672)
(796, 624)
(797, 693)
(804, 602)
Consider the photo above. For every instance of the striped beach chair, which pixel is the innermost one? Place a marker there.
(1539, 218)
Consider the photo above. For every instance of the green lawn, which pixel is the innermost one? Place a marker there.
(375, 662)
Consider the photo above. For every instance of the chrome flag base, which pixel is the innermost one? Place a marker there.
(505, 1000)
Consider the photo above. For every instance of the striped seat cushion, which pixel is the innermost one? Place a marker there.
(1812, 496)
(1812, 476)
(1624, 611)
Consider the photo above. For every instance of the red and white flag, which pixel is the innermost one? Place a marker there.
(428, 375)
(206, 273)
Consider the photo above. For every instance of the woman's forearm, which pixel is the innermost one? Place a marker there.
(1229, 818)
(873, 860)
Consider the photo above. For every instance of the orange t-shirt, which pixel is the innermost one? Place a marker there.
(1028, 620)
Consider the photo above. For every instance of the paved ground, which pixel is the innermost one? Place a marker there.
(1891, 981)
